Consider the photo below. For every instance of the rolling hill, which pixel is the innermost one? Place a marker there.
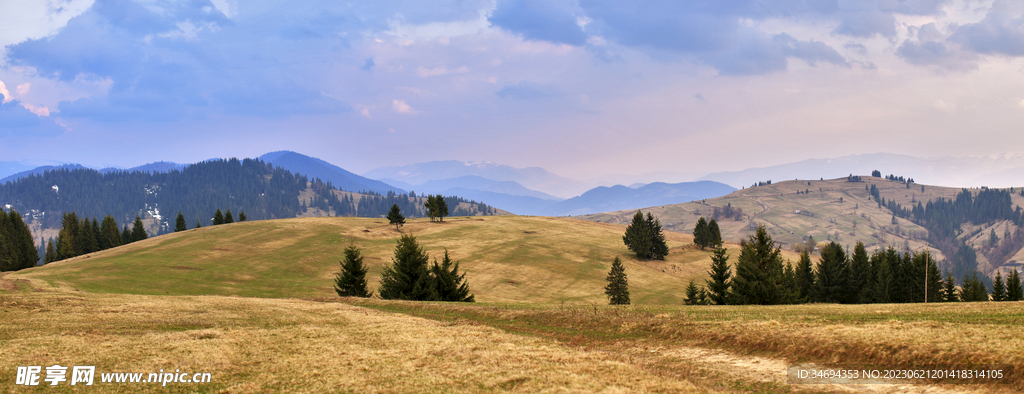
(315, 168)
(506, 259)
(827, 210)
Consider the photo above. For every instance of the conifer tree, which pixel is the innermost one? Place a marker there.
(714, 234)
(693, 294)
(759, 271)
(973, 289)
(351, 281)
(638, 238)
(18, 249)
(998, 288)
(659, 249)
(804, 277)
(790, 290)
(87, 238)
(67, 238)
(858, 291)
(1014, 292)
(949, 288)
(241, 216)
(138, 230)
(395, 216)
(179, 223)
(448, 284)
(442, 208)
(408, 277)
(51, 253)
(198, 224)
(830, 284)
(126, 237)
(617, 289)
(701, 237)
(228, 218)
(109, 232)
(218, 217)
(718, 285)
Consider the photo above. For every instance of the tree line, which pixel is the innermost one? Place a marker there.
(17, 248)
(83, 236)
(409, 277)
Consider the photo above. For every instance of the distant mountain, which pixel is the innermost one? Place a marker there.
(316, 168)
(534, 178)
(8, 168)
(943, 171)
(506, 195)
(40, 170)
(618, 197)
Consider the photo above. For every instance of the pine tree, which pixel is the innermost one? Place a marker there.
(110, 234)
(1014, 292)
(218, 217)
(832, 275)
(998, 288)
(693, 294)
(442, 208)
(228, 218)
(408, 277)
(17, 247)
(714, 234)
(638, 237)
(759, 271)
(179, 224)
(431, 206)
(67, 238)
(138, 230)
(858, 291)
(448, 284)
(395, 216)
(51, 253)
(351, 281)
(659, 249)
(790, 290)
(718, 285)
(617, 289)
(241, 216)
(701, 237)
(198, 224)
(804, 277)
(126, 237)
(972, 289)
(949, 288)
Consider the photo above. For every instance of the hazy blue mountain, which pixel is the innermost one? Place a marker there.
(506, 195)
(316, 168)
(8, 168)
(40, 170)
(941, 171)
(534, 178)
(618, 197)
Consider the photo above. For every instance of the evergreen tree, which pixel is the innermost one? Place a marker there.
(701, 236)
(659, 249)
(718, 285)
(431, 206)
(138, 230)
(228, 218)
(998, 288)
(17, 247)
(638, 236)
(759, 272)
(617, 289)
(442, 208)
(218, 217)
(858, 289)
(408, 277)
(714, 234)
(832, 275)
(1014, 292)
(395, 216)
(199, 225)
(109, 232)
(241, 216)
(449, 285)
(949, 288)
(126, 237)
(693, 294)
(790, 290)
(973, 289)
(804, 277)
(179, 224)
(87, 237)
(882, 289)
(351, 281)
(51, 253)
(67, 238)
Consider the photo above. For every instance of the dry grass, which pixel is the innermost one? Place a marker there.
(506, 258)
(281, 345)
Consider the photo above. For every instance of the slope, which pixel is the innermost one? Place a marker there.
(506, 258)
(315, 168)
(604, 199)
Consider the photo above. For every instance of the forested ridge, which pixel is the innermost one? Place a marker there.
(259, 189)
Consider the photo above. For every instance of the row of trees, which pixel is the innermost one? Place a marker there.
(17, 248)
(436, 206)
(218, 218)
(408, 278)
(706, 234)
(82, 236)
(884, 276)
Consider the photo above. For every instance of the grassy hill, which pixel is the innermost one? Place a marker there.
(833, 209)
(507, 259)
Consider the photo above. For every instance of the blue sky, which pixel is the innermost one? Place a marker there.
(582, 88)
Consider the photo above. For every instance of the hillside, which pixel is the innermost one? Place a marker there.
(834, 209)
(506, 258)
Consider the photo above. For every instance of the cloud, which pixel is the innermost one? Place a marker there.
(540, 20)
(368, 65)
(1001, 32)
(424, 72)
(401, 107)
(16, 120)
(5, 93)
(526, 90)
(931, 48)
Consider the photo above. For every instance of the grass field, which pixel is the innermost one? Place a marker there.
(506, 258)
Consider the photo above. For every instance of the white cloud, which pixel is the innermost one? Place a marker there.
(5, 92)
(38, 110)
(436, 71)
(400, 106)
(23, 88)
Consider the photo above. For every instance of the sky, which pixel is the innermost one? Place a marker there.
(580, 87)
